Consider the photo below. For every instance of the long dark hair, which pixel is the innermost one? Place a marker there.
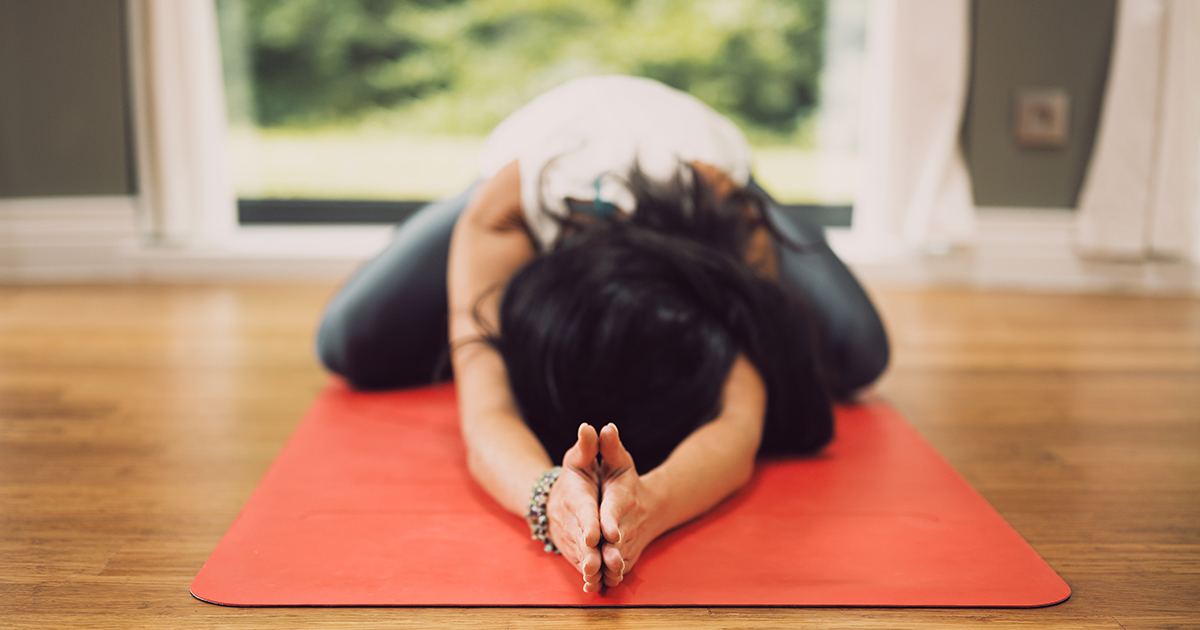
(637, 321)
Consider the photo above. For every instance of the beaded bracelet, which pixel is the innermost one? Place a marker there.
(539, 522)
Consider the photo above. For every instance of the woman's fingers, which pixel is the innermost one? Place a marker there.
(587, 518)
(570, 514)
(611, 512)
(578, 520)
(599, 517)
(582, 456)
(621, 512)
(587, 541)
(575, 526)
(616, 460)
(586, 559)
(580, 461)
(590, 567)
(614, 565)
(617, 475)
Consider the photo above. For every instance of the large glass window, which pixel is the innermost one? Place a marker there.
(390, 100)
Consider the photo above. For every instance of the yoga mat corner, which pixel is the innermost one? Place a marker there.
(370, 503)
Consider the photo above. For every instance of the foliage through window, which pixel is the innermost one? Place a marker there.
(391, 99)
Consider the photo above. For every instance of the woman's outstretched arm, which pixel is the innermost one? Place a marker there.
(709, 465)
(488, 246)
(485, 251)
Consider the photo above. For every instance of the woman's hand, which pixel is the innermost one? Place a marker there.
(627, 513)
(600, 511)
(574, 511)
(633, 510)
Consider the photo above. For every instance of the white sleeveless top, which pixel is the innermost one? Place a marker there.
(581, 140)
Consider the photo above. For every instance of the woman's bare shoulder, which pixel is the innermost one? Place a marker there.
(760, 252)
(496, 206)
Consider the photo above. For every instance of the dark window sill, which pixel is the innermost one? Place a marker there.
(341, 211)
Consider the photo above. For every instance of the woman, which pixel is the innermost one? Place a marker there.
(623, 300)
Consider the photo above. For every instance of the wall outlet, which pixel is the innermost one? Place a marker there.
(1041, 117)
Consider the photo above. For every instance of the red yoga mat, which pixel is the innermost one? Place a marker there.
(370, 504)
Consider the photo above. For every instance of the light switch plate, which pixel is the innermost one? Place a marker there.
(1041, 117)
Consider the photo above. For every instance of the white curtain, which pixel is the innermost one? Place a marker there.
(1141, 196)
(914, 190)
(179, 100)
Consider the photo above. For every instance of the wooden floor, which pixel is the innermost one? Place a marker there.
(136, 420)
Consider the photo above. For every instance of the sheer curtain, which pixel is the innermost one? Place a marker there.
(185, 191)
(914, 190)
(1141, 197)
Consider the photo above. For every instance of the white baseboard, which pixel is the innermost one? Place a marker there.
(67, 239)
(269, 254)
(94, 239)
(81, 240)
(1026, 249)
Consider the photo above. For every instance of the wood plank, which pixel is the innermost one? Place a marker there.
(135, 420)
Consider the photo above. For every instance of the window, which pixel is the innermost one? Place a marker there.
(360, 110)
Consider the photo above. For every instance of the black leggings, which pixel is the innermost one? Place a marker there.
(387, 326)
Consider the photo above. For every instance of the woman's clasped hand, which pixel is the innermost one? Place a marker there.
(600, 509)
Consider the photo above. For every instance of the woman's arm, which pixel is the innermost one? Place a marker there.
(485, 250)
(488, 246)
(709, 465)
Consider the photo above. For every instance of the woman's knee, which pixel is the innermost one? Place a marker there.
(330, 343)
(860, 355)
(386, 326)
(336, 346)
(356, 357)
(854, 337)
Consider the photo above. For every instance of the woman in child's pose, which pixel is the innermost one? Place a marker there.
(623, 302)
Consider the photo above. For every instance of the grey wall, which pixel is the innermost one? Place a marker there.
(63, 113)
(1035, 43)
